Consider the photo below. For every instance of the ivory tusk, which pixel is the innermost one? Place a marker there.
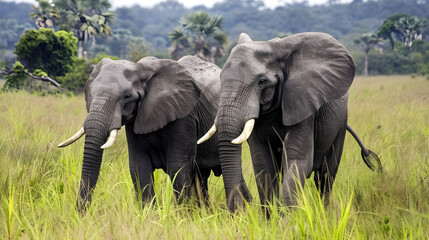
(248, 127)
(111, 140)
(208, 135)
(73, 139)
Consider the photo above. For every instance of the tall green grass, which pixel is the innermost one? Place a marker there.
(39, 182)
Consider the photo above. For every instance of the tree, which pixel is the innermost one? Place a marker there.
(217, 43)
(180, 42)
(16, 80)
(367, 42)
(404, 27)
(137, 49)
(75, 80)
(7, 31)
(45, 15)
(119, 42)
(411, 29)
(10, 31)
(207, 38)
(52, 52)
(87, 19)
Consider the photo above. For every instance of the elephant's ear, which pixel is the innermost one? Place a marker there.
(318, 69)
(171, 93)
(243, 38)
(94, 74)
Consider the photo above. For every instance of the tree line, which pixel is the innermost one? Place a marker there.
(381, 40)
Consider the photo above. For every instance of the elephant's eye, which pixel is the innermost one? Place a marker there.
(128, 96)
(262, 81)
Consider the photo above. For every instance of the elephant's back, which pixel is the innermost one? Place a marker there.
(206, 74)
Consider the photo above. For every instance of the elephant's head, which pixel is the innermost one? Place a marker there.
(295, 75)
(148, 94)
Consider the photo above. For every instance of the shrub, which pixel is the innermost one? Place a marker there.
(15, 81)
(49, 51)
(101, 56)
(75, 80)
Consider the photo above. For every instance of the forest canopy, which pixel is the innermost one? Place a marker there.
(366, 28)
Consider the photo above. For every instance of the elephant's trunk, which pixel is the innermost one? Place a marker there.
(238, 105)
(103, 117)
(230, 159)
(229, 128)
(96, 135)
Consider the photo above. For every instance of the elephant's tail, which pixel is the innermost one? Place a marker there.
(369, 157)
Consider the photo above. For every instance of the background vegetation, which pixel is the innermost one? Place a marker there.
(170, 30)
(39, 182)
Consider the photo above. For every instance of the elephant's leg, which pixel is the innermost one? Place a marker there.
(299, 144)
(141, 168)
(325, 175)
(141, 171)
(182, 177)
(181, 156)
(265, 167)
(201, 185)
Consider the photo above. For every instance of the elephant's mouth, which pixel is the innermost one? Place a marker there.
(128, 118)
(131, 113)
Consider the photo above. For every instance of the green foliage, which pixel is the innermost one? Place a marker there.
(200, 23)
(65, 27)
(250, 16)
(86, 19)
(15, 81)
(52, 52)
(2, 64)
(137, 49)
(10, 31)
(39, 73)
(367, 41)
(101, 56)
(403, 27)
(202, 34)
(45, 16)
(75, 80)
(402, 58)
(388, 27)
(382, 61)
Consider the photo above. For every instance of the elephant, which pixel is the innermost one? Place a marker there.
(165, 106)
(288, 98)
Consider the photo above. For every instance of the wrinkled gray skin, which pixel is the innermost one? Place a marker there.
(165, 106)
(297, 90)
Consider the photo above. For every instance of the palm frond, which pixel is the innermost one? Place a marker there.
(221, 37)
(177, 35)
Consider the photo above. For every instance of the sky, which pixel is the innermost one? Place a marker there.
(192, 3)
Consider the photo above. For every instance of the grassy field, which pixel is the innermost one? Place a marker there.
(39, 182)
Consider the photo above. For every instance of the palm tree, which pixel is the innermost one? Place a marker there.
(406, 27)
(180, 42)
(217, 50)
(411, 29)
(87, 19)
(45, 15)
(367, 41)
(205, 31)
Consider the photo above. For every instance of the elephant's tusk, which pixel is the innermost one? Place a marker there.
(248, 127)
(111, 140)
(208, 135)
(73, 139)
